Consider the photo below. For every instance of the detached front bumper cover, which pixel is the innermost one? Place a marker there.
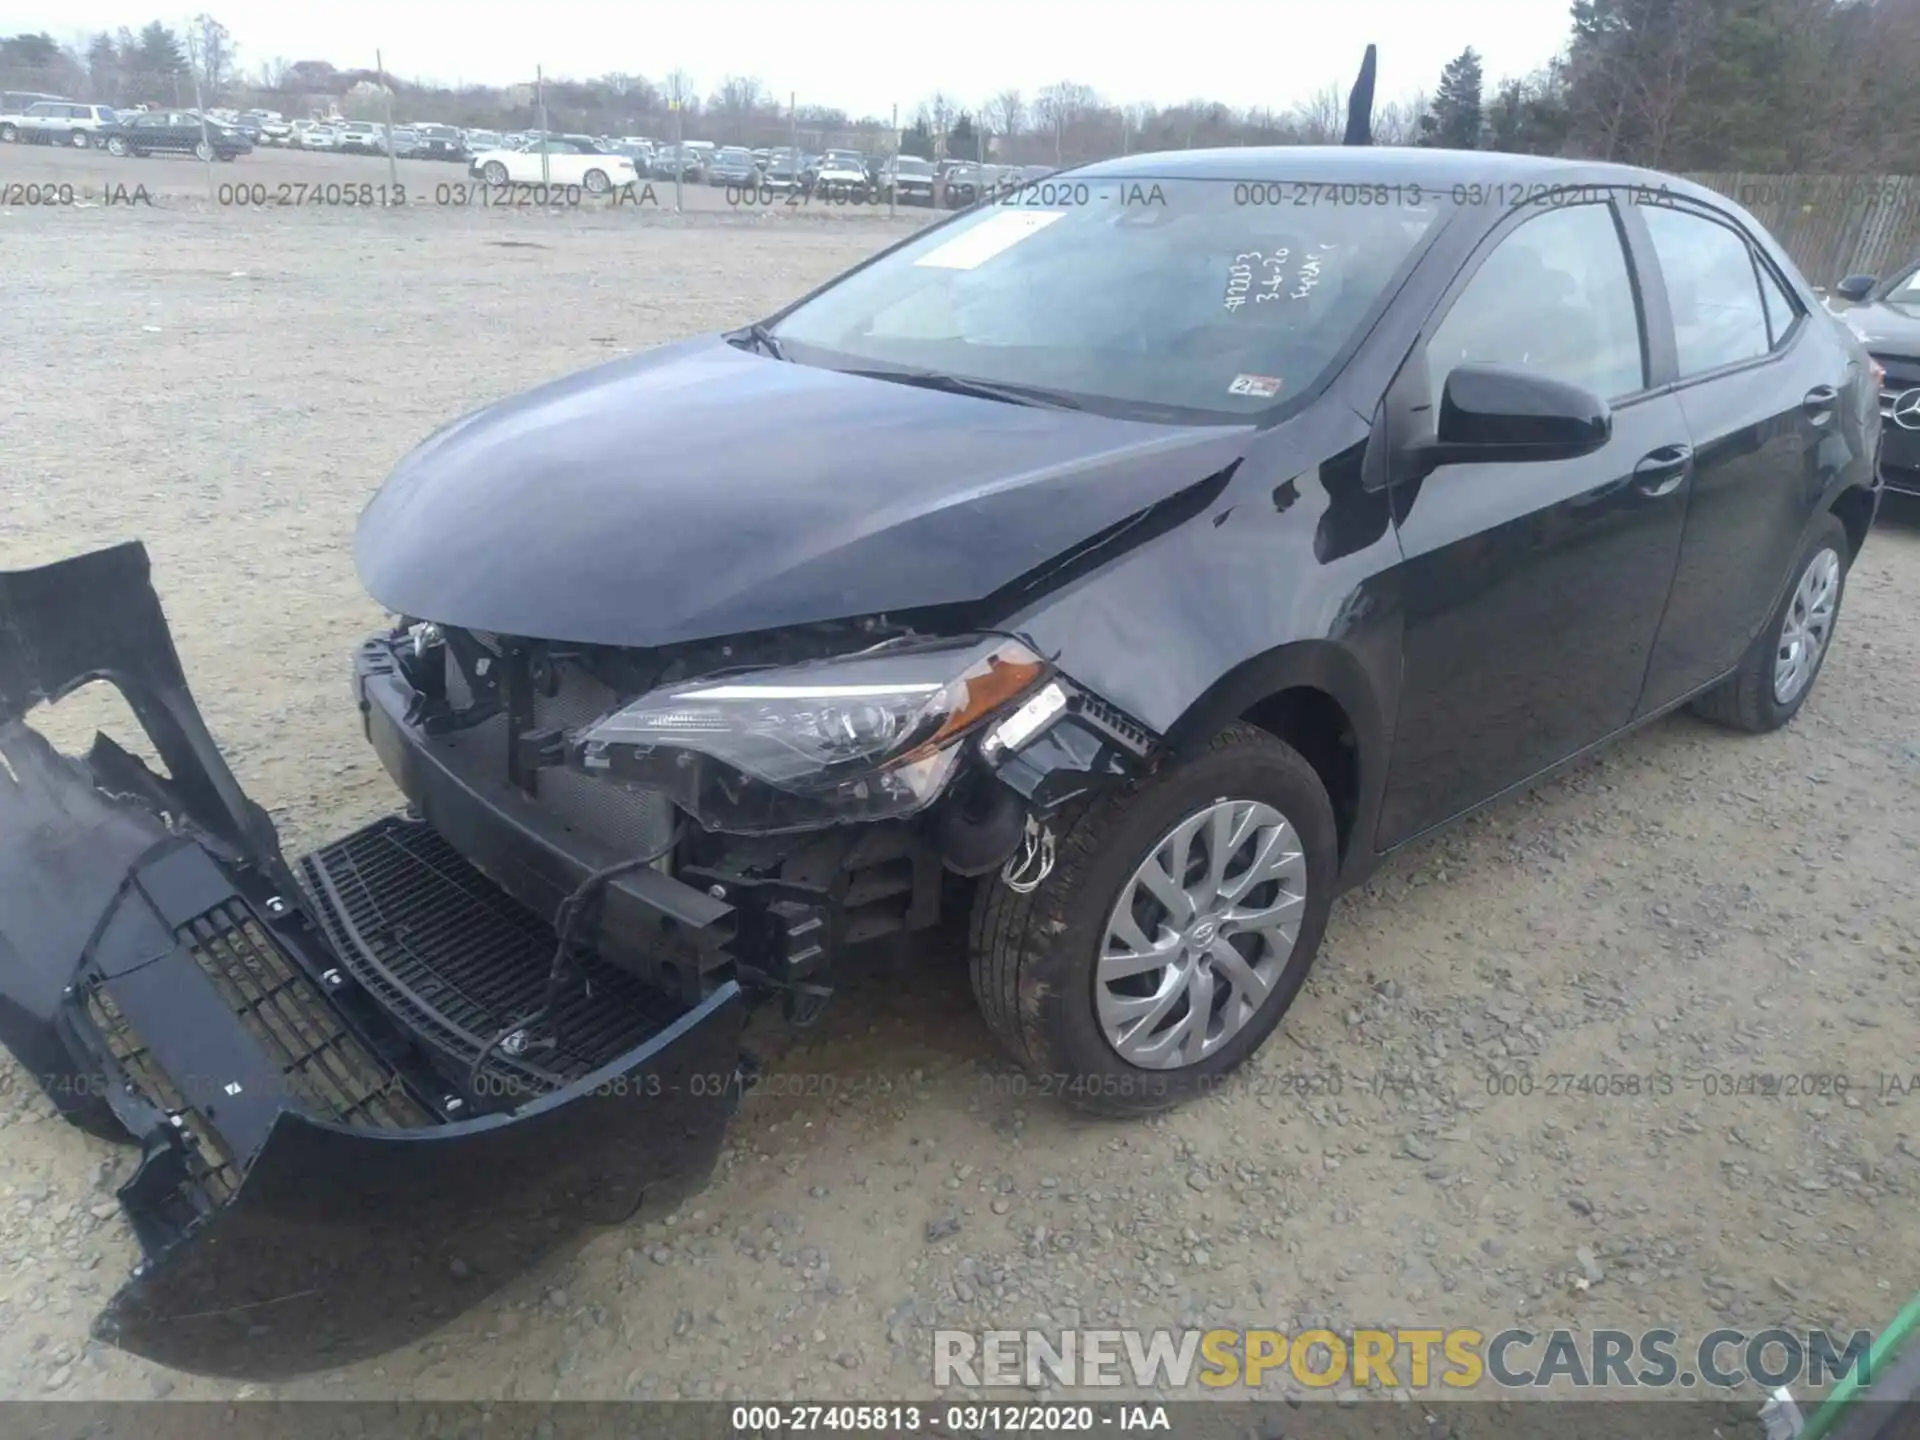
(315, 1184)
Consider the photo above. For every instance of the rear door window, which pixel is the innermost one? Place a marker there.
(1719, 316)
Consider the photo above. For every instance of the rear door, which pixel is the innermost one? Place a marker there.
(1531, 592)
(1762, 387)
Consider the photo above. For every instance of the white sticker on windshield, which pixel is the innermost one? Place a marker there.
(999, 231)
(1261, 385)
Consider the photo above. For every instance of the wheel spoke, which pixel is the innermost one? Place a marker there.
(1247, 985)
(1182, 944)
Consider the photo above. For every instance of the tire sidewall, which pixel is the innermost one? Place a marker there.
(1831, 535)
(1069, 1018)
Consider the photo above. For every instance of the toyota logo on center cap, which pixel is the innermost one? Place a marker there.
(1906, 409)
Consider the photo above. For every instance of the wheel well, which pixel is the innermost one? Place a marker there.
(1855, 509)
(1313, 722)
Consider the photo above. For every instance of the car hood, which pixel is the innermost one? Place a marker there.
(1885, 324)
(699, 490)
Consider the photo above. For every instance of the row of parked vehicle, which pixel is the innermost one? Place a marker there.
(848, 175)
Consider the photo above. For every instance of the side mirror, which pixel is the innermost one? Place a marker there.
(1855, 287)
(1492, 415)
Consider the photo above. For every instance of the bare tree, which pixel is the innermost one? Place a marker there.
(740, 95)
(678, 89)
(1005, 112)
(214, 53)
(1321, 118)
(1398, 121)
(273, 72)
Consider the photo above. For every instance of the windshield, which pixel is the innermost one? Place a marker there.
(1128, 296)
(908, 165)
(1906, 291)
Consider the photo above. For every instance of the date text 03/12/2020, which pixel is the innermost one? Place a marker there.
(962, 1419)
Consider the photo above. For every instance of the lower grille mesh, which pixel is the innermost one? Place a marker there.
(325, 1069)
(210, 1168)
(458, 960)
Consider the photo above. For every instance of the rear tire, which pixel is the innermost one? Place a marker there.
(1043, 962)
(81, 140)
(1773, 681)
(117, 145)
(202, 150)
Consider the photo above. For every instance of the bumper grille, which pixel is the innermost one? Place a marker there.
(328, 1072)
(458, 960)
(211, 1172)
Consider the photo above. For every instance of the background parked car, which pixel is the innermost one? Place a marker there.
(733, 165)
(671, 162)
(57, 122)
(312, 135)
(405, 142)
(840, 175)
(561, 160)
(785, 170)
(1885, 315)
(14, 104)
(474, 141)
(907, 180)
(438, 142)
(360, 137)
(174, 132)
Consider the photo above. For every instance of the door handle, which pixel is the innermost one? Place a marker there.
(1663, 471)
(1821, 397)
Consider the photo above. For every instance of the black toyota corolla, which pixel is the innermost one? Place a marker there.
(1114, 572)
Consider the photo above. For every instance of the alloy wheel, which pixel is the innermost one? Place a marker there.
(1201, 934)
(1808, 626)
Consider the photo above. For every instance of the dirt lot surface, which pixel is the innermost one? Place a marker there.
(230, 386)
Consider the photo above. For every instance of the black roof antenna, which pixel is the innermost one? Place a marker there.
(1360, 102)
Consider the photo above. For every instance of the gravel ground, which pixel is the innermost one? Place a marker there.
(230, 386)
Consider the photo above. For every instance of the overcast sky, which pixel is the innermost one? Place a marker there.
(866, 57)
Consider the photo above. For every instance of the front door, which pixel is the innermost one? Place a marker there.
(1532, 591)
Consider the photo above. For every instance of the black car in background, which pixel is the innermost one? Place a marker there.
(173, 132)
(438, 142)
(1105, 585)
(1886, 317)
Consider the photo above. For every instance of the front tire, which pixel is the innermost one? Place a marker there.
(1179, 921)
(1779, 669)
(10, 133)
(494, 173)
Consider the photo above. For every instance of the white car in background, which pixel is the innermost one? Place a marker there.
(58, 122)
(316, 137)
(570, 160)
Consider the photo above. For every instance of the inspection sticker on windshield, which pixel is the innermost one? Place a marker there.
(1261, 385)
(999, 231)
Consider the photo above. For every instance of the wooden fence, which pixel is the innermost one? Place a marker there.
(1832, 225)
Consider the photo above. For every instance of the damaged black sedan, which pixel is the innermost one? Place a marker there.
(1114, 573)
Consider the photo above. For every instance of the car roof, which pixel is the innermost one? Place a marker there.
(1376, 164)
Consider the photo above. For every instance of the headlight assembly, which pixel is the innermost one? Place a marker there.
(862, 737)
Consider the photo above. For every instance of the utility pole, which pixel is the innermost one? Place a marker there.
(386, 96)
(200, 107)
(540, 107)
(793, 124)
(893, 190)
(679, 155)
